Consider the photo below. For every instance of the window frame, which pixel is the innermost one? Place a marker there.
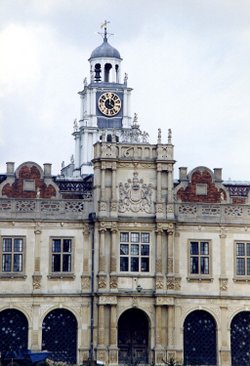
(13, 273)
(61, 273)
(136, 243)
(246, 257)
(199, 275)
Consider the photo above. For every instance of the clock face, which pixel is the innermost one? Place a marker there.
(109, 104)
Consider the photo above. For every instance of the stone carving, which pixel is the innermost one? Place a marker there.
(135, 196)
(173, 283)
(159, 284)
(102, 282)
(223, 284)
(37, 282)
(113, 282)
(134, 134)
(85, 283)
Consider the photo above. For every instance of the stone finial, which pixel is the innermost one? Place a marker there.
(72, 159)
(75, 125)
(169, 136)
(10, 167)
(47, 169)
(125, 78)
(85, 82)
(159, 136)
(62, 164)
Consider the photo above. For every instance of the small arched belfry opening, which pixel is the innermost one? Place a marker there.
(133, 337)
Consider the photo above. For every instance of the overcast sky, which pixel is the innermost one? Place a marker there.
(188, 62)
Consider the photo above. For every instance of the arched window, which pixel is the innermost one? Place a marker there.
(240, 339)
(60, 335)
(13, 330)
(200, 339)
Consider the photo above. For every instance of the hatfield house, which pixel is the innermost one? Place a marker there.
(114, 259)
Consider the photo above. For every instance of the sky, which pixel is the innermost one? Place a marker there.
(188, 62)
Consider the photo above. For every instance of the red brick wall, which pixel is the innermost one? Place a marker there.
(16, 190)
(213, 195)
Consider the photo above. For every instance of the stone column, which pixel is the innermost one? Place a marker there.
(159, 283)
(113, 349)
(170, 206)
(223, 277)
(159, 184)
(224, 336)
(102, 282)
(85, 278)
(113, 259)
(114, 191)
(103, 193)
(35, 334)
(101, 349)
(171, 326)
(170, 259)
(84, 333)
(159, 350)
(37, 273)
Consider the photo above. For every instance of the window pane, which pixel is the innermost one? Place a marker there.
(145, 238)
(18, 245)
(134, 264)
(67, 245)
(18, 263)
(204, 265)
(7, 245)
(194, 265)
(204, 248)
(145, 264)
(6, 263)
(144, 249)
(248, 266)
(124, 237)
(124, 264)
(135, 237)
(248, 249)
(240, 249)
(56, 260)
(66, 263)
(194, 247)
(124, 249)
(134, 249)
(240, 266)
(56, 246)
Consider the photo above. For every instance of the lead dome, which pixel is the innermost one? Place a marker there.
(105, 50)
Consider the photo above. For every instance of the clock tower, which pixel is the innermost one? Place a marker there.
(105, 104)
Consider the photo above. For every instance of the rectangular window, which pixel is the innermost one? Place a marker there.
(242, 250)
(12, 254)
(199, 257)
(134, 252)
(61, 252)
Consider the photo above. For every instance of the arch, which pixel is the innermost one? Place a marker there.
(98, 72)
(13, 330)
(117, 73)
(107, 69)
(59, 335)
(133, 337)
(200, 341)
(240, 335)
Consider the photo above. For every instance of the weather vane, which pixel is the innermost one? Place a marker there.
(105, 34)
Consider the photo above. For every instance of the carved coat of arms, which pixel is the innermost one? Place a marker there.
(135, 196)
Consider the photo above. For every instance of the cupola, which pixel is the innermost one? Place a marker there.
(105, 61)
